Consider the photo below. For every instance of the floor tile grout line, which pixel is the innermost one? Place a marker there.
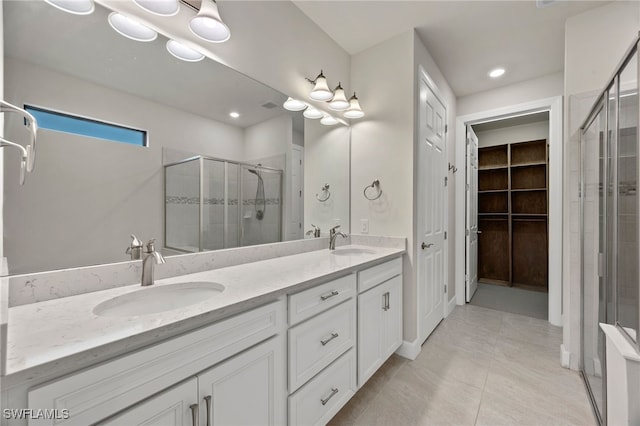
(493, 360)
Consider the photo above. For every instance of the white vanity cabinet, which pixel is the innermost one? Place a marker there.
(239, 362)
(379, 316)
(247, 389)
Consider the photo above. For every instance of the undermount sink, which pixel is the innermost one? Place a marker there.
(351, 251)
(162, 298)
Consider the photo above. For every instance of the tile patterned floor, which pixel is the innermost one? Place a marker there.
(479, 367)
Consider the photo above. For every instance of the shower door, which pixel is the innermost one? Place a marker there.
(261, 205)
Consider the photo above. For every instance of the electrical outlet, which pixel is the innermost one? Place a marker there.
(364, 226)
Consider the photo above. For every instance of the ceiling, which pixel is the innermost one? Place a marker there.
(466, 38)
(90, 50)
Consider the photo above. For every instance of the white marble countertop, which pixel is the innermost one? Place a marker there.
(64, 335)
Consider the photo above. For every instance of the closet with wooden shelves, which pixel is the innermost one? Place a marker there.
(512, 215)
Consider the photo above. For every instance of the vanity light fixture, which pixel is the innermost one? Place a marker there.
(339, 101)
(131, 28)
(293, 104)
(328, 120)
(208, 25)
(234, 114)
(321, 91)
(76, 7)
(495, 73)
(159, 7)
(354, 110)
(183, 52)
(312, 113)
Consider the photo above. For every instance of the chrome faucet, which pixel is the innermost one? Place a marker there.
(333, 234)
(150, 259)
(135, 249)
(315, 231)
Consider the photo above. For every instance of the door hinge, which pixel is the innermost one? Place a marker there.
(466, 278)
(446, 128)
(300, 193)
(467, 187)
(445, 235)
(445, 288)
(300, 225)
(600, 265)
(446, 179)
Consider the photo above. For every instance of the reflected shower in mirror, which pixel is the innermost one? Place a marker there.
(90, 191)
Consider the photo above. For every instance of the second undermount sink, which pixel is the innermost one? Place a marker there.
(162, 298)
(351, 251)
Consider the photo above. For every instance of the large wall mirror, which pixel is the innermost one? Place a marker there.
(188, 173)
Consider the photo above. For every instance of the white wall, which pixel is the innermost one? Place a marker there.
(326, 160)
(539, 88)
(382, 148)
(514, 134)
(595, 42)
(422, 58)
(97, 192)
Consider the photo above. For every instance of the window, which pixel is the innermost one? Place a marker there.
(66, 123)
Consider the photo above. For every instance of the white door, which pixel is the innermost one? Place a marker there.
(248, 389)
(432, 175)
(472, 231)
(173, 407)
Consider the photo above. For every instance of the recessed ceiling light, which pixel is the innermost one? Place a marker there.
(131, 28)
(234, 114)
(495, 73)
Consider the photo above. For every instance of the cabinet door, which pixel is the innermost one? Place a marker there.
(172, 407)
(248, 389)
(392, 316)
(370, 333)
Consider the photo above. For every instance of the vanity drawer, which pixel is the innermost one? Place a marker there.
(378, 274)
(320, 399)
(314, 344)
(97, 393)
(310, 302)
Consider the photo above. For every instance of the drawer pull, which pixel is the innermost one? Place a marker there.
(325, 400)
(325, 341)
(330, 295)
(385, 298)
(207, 399)
(194, 414)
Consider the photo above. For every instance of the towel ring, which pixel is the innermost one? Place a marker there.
(374, 184)
(326, 192)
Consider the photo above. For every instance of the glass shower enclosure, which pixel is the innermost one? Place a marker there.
(213, 204)
(609, 223)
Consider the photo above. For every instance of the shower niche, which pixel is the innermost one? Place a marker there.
(211, 204)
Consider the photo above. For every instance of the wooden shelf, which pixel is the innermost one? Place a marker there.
(512, 205)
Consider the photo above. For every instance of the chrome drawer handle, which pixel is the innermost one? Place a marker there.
(207, 399)
(333, 336)
(329, 296)
(194, 414)
(325, 400)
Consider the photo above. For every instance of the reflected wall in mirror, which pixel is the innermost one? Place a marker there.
(87, 195)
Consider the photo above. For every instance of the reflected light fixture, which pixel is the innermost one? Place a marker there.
(183, 52)
(328, 120)
(495, 73)
(312, 113)
(159, 7)
(321, 91)
(234, 114)
(339, 101)
(354, 110)
(208, 25)
(293, 104)
(76, 7)
(131, 28)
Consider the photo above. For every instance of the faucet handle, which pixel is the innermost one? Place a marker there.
(151, 245)
(334, 229)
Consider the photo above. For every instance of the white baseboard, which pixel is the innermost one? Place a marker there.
(409, 350)
(451, 306)
(565, 357)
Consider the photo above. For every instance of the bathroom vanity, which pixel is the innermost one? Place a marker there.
(287, 340)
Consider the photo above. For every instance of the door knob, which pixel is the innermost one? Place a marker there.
(478, 232)
(426, 246)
